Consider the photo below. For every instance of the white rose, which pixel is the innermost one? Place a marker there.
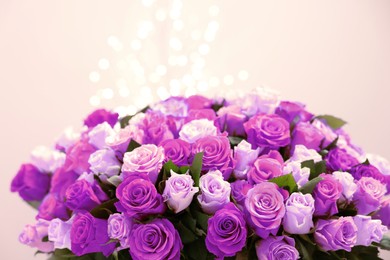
(245, 157)
(301, 154)
(104, 162)
(299, 213)
(347, 181)
(47, 159)
(197, 129)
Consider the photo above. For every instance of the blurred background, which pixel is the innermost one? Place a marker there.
(61, 59)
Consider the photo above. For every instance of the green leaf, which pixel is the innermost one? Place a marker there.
(188, 221)
(104, 210)
(218, 106)
(186, 235)
(332, 121)
(202, 220)
(132, 145)
(197, 250)
(124, 121)
(168, 166)
(34, 204)
(196, 168)
(234, 140)
(305, 249)
(310, 185)
(315, 168)
(286, 181)
(385, 243)
(184, 169)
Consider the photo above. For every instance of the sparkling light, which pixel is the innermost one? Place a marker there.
(94, 101)
(213, 10)
(243, 75)
(161, 15)
(228, 80)
(104, 64)
(107, 93)
(204, 49)
(136, 45)
(162, 93)
(175, 44)
(178, 25)
(161, 70)
(94, 76)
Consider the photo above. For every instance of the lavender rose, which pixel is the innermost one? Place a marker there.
(336, 234)
(215, 192)
(216, 154)
(369, 194)
(326, 193)
(176, 150)
(99, 116)
(245, 157)
(32, 236)
(299, 213)
(59, 233)
(265, 208)
(306, 134)
(231, 119)
(46, 159)
(138, 197)
(120, 141)
(226, 232)
(196, 129)
(384, 212)
(293, 112)
(83, 195)
(346, 180)
(119, 226)
(339, 160)
(369, 230)
(267, 131)
(301, 154)
(146, 159)
(30, 183)
(239, 190)
(89, 235)
(157, 128)
(382, 164)
(52, 207)
(301, 175)
(205, 113)
(274, 248)
(104, 164)
(157, 239)
(179, 191)
(264, 168)
(77, 157)
(97, 135)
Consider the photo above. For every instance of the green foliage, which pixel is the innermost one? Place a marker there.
(315, 168)
(34, 204)
(196, 168)
(287, 182)
(310, 185)
(104, 210)
(124, 121)
(132, 145)
(235, 140)
(332, 121)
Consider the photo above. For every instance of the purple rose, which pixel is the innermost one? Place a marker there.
(156, 127)
(77, 157)
(264, 169)
(146, 159)
(205, 113)
(119, 226)
(61, 180)
(120, 141)
(173, 106)
(327, 132)
(274, 248)
(268, 131)
(336, 234)
(30, 183)
(299, 213)
(301, 175)
(382, 164)
(198, 102)
(47, 159)
(384, 212)
(369, 195)
(104, 164)
(265, 208)
(231, 119)
(326, 193)
(97, 135)
(306, 134)
(369, 230)
(52, 207)
(239, 190)
(59, 233)
(226, 232)
(216, 154)
(157, 239)
(138, 197)
(245, 157)
(364, 170)
(83, 195)
(89, 235)
(179, 191)
(339, 160)
(176, 150)
(293, 112)
(99, 116)
(32, 236)
(215, 192)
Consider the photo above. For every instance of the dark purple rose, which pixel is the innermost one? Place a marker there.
(293, 111)
(339, 160)
(99, 116)
(157, 239)
(176, 150)
(156, 128)
(217, 154)
(89, 235)
(274, 248)
(206, 113)
(369, 195)
(226, 232)
(232, 120)
(138, 197)
(61, 180)
(267, 131)
(239, 190)
(336, 234)
(306, 134)
(364, 170)
(52, 207)
(30, 183)
(82, 195)
(77, 157)
(199, 102)
(264, 208)
(326, 193)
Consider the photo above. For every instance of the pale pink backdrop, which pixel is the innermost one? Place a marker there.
(332, 55)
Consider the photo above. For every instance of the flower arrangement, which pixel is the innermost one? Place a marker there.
(196, 178)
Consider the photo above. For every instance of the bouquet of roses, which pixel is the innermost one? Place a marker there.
(196, 178)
